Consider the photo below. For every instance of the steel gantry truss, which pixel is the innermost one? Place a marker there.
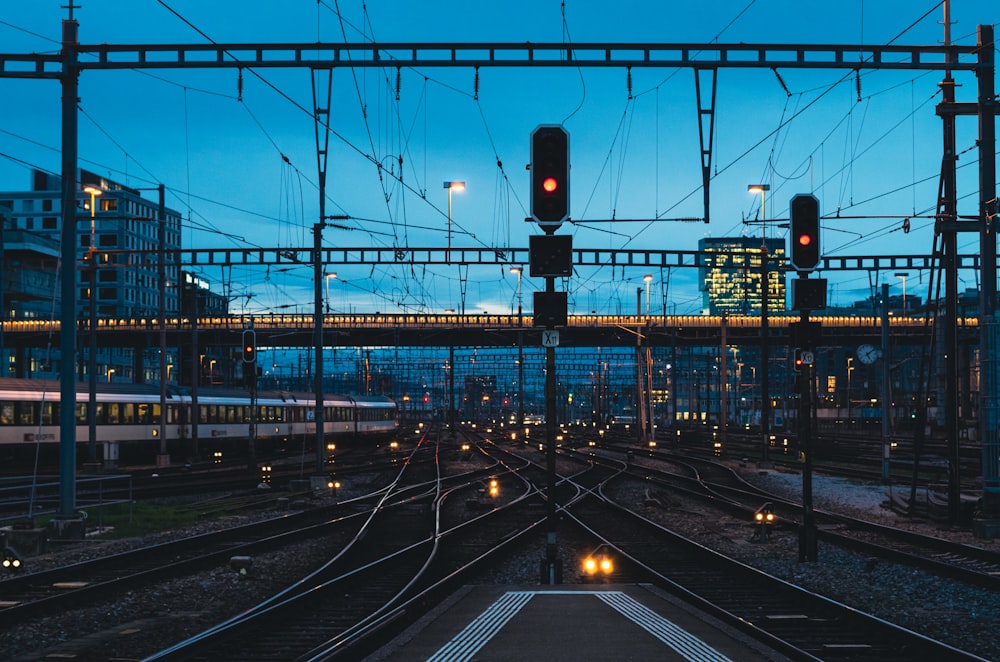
(74, 58)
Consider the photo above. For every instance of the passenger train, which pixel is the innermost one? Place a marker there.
(128, 424)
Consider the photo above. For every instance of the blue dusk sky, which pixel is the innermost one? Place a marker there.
(239, 159)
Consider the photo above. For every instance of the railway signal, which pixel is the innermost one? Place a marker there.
(805, 232)
(549, 175)
(249, 346)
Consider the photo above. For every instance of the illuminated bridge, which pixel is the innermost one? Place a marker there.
(475, 330)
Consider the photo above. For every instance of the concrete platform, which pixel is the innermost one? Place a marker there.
(570, 622)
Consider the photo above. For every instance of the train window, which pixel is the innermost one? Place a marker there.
(202, 413)
(113, 412)
(6, 413)
(128, 413)
(154, 413)
(24, 413)
(50, 414)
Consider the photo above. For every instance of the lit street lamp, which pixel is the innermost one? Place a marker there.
(94, 192)
(762, 189)
(451, 186)
(518, 270)
(649, 279)
(326, 281)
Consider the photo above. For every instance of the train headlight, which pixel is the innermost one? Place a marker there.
(600, 563)
(10, 561)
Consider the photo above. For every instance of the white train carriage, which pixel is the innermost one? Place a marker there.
(128, 418)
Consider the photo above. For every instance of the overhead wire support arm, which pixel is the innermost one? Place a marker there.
(706, 130)
(406, 54)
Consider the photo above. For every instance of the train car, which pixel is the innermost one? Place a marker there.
(128, 427)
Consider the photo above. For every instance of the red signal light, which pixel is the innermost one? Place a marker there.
(550, 184)
(805, 239)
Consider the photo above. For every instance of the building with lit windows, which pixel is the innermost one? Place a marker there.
(730, 275)
(110, 217)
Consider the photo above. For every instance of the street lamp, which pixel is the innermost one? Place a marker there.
(451, 186)
(326, 281)
(765, 399)
(762, 189)
(850, 369)
(94, 192)
(649, 279)
(111, 371)
(904, 276)
(518, 270)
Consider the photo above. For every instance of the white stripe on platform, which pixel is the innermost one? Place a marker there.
(477, 633)
(683, 642)
(484, 627)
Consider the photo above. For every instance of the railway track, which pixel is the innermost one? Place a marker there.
(391, 561)
(410, 555)
(68, 587)
(797, 622)
(726, 489)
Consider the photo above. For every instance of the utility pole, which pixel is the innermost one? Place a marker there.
(68, 523)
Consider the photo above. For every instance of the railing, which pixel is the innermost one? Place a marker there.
(449, 320)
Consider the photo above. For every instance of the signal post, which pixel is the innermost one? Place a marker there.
(250, 379)
(807, 294)
(550, 256)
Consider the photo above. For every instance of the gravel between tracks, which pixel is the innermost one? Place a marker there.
(143, 622)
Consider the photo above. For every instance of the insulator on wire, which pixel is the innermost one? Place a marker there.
(475, 86)
(629, 80)
(399, 82)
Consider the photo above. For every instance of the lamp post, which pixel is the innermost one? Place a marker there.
(92, 336)
(648, 278)
(451, 186)
(904, 276)
(450, 367)
(850, 369)
(518, 271)
(326, 281)
(765, 398)
(94, 192)
(520, 349)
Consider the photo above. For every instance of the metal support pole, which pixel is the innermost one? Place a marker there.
(886, 382)
(553, 570)
(68, 293)
(163, 459)
(724, 383)
(451, 389)
(807, 535)
(318, 341)
(765, 396)
(92, 358)
(520, 374)
(640, 408)
(989, 523)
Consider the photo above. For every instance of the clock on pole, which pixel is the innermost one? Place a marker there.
(869, 354)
